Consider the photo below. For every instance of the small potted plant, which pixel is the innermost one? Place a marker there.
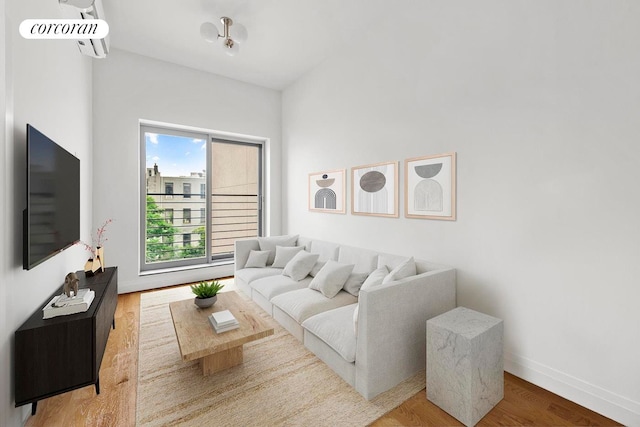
(206, 293)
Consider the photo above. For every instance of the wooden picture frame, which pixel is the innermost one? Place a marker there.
(374, 190)
(328, 191)
(430, 187)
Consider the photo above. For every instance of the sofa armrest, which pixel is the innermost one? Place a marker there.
(242, 249)
(391, 343)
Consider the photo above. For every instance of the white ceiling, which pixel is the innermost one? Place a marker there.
(286, 39)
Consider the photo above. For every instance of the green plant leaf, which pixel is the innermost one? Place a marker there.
(206, 289)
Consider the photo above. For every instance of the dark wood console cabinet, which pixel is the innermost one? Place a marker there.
(64, 353)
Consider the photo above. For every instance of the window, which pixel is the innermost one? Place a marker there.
(236, 194)
(229, 176)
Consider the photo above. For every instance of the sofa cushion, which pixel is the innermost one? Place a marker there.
(335, 328)
(326, 250)
(405, 269)
(331, 278)
(316, 268)
(284, 254)
(354, 283)
(375, 278)
(272, 286)
(300, 265)
(248, 275)
(270, 243)
(305, 242)
(257, 259)
(363, 260)
(391, 261)
(304, 303)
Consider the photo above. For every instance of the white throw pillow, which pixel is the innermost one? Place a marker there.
(354, 283)
(300, 265)
(270, 243)
(284, 254)
(404, 269)
(375, 278)
(257, 259)
(316, 268)
(331, 278)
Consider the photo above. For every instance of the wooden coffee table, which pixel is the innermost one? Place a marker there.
(199, 341)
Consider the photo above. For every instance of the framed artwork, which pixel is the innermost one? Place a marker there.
(374, 190)
(327, 191)
(430, 187)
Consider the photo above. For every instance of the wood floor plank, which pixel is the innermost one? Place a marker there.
(115, 405)
(524, 404)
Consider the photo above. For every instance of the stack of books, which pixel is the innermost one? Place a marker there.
(223, 321)
(62, 305)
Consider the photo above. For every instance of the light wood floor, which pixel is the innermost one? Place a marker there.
(524, 404)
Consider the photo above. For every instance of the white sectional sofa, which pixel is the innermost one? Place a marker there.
(379, 347)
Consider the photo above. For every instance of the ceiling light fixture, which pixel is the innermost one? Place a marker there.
(232, 34)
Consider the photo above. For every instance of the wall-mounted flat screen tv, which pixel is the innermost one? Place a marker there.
(51, 220)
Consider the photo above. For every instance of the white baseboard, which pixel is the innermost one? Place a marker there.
(604, 402)
(160, 278)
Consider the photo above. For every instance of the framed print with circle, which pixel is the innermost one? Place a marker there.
(327, 191)
(430, 187)
(374, 190)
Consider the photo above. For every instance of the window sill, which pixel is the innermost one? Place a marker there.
(186, 268)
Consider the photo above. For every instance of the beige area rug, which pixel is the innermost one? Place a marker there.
(279, 383)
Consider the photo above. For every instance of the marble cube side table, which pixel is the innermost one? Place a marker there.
(465, 375)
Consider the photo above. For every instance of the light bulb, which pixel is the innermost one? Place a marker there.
(209, 32)
(238, 33)
(230, 47)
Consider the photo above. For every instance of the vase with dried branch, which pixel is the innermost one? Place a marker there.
(95, 264)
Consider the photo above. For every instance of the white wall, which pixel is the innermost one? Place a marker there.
(5, 334)
(48, 84)
(541, 102)
(129, 87)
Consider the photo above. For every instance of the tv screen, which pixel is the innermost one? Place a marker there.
(52, 217)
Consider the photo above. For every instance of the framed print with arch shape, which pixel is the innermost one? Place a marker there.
(374, 190)
(430, 187)
(327, 191)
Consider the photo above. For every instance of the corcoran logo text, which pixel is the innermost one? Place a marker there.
(76, 29)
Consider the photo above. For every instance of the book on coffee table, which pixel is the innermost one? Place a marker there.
(223, 318)
(220, 330)
(223, 321)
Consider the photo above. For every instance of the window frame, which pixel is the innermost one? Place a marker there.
(210, 137)
(261, 179)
